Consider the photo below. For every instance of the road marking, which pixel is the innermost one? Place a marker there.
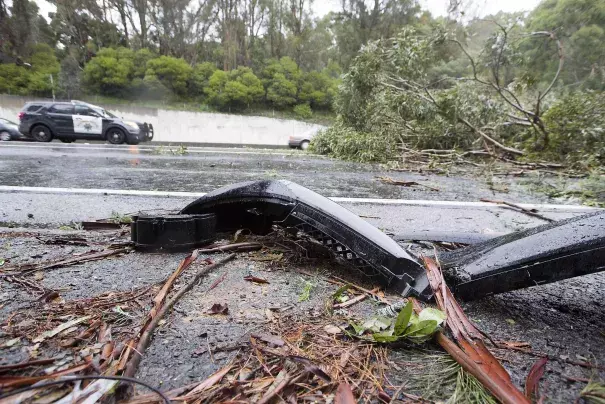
(192, 149)
(376, 201)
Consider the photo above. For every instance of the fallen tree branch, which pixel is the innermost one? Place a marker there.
(529, 212)
(389, 180)
(147, 332)
(469, 350)
(488, 138)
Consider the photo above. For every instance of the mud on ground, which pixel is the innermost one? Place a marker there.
(564, 320)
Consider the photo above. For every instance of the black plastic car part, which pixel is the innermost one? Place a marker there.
(532, 257)
(258, 205)
(445, 236)
(172, 232)
(543, 254)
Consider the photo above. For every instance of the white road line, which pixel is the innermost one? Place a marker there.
(377, 201)
(194, 149)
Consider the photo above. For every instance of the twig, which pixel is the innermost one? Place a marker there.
(145, 338)
(238, 247)
(576, 379)
(22, 365)
(368, 291)
(92, 256)
(530, 212)
(209, 350)
(290, 380)
(550, 357)
(356, 299)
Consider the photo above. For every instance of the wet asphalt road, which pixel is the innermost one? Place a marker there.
(149, 167)
(103, 169)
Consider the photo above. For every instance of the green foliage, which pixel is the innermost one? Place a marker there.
(594, 392)
(303, 111)
(305, 294)
(216, 88)
(236, 89)
(23, 81)
(580, 25)
(318, 89)
(377, 112)
(415, 328)
(389, 97)
(140, 59)
(341, 141)
(281, 80)
(173, 73)
(358, 85)
(13, 79)
(201, 77)
(110, 71)
(576, 124)
(281, 91)
(150, 87)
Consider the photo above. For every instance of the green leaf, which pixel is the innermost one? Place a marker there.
(385, 336)
(403, 318)
(337, 296)
(421, 329)
(1, 261)
(377, 324)
(414, 319)
(432, 314)
(419, 339)
(359, 329)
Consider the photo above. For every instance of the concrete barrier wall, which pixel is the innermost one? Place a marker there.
(192, 127)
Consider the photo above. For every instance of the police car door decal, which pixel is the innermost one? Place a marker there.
(87, 124)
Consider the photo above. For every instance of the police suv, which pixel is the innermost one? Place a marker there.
(68, 121)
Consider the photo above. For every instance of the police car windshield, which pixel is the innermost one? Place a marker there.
(105, 112)
(109, 114)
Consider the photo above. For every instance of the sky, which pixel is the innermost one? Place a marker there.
(479, 8)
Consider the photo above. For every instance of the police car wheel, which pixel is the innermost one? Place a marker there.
(116, 136)
(41, 133)
(5, 136)
(304, 145)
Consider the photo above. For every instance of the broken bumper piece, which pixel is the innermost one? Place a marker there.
(540, 255)
(543, 254)
(258, 205)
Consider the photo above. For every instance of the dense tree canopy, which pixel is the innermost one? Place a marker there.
(218, 51)
(580, 26)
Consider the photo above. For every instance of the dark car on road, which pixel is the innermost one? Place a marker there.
(68, 121)
(8, 130)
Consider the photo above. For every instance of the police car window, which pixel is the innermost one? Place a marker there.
(85, 111)
(33, 107)
(62, 109)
